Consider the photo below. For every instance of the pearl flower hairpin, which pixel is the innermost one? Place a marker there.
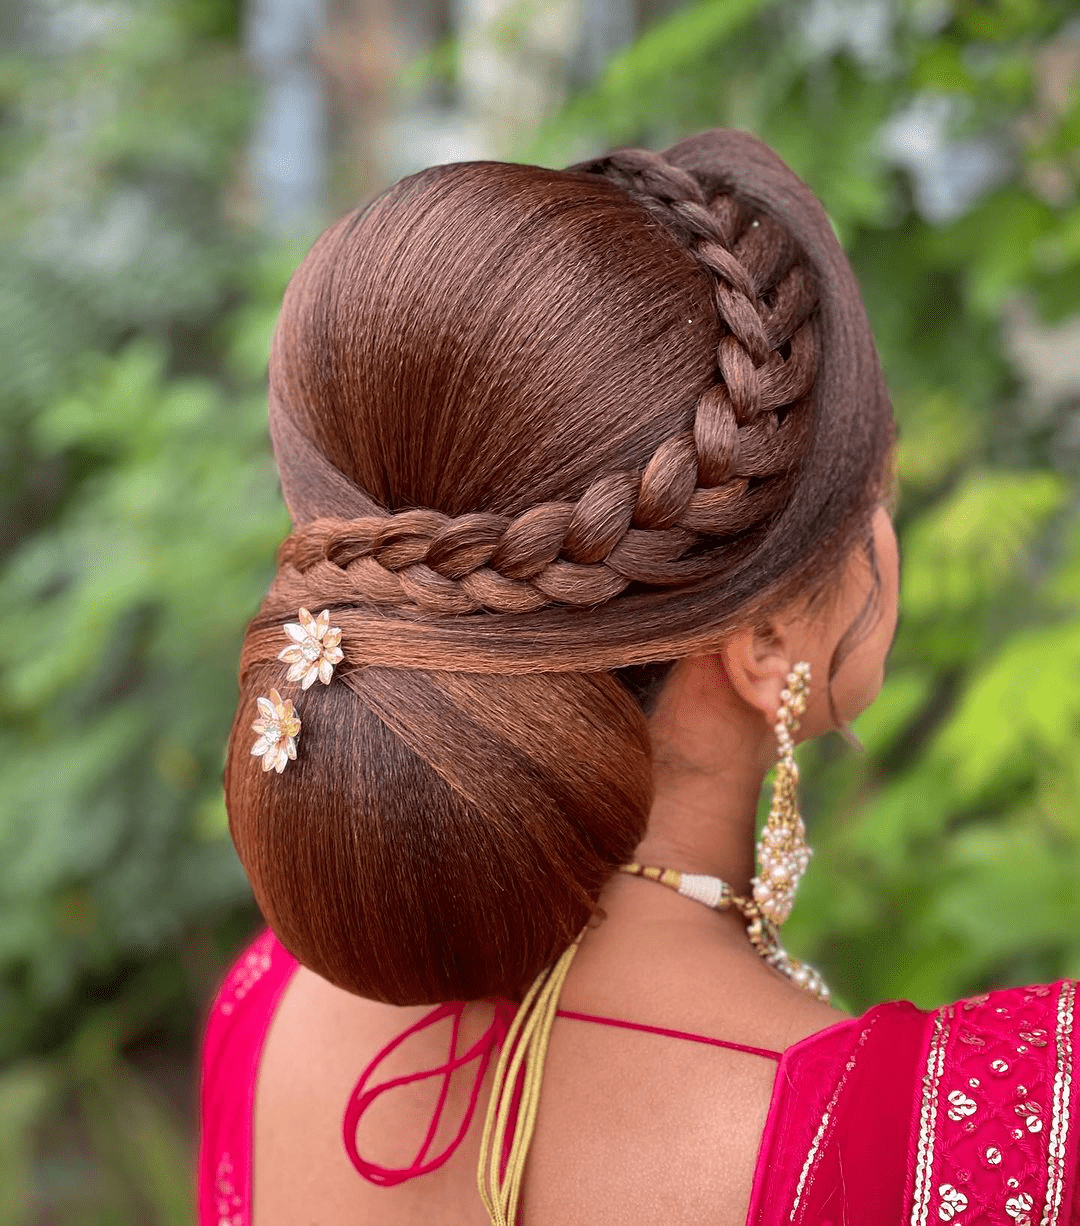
(311, 654)
(278, 727)
(314, 649)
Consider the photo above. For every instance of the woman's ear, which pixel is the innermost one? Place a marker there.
(757, 661)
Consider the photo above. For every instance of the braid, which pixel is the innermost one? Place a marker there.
(718, 481)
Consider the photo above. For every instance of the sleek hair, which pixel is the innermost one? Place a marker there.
(538, 430)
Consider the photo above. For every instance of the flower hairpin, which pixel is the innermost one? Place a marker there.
(311, 655)
(278, 727)
(314, 649)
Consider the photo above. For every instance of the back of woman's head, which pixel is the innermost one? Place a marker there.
(533, 427)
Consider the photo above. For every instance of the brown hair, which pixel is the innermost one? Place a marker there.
(533, 426)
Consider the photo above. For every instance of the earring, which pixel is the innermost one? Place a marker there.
(783, 853)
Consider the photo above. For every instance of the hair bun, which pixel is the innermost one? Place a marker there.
(440, 836)
(516, 455)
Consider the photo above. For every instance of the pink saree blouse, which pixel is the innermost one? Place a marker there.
(964, 1115)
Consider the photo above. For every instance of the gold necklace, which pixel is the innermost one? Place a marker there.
(718, 895)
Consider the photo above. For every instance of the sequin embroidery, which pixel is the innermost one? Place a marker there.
(230, 1206)
(246, 974)
(928, 1115)
(806, 1174)
(1011, 1118)
(1062, 1096)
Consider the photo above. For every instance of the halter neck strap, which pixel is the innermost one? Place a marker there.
(480, 1053)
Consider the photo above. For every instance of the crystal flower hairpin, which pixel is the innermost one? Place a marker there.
(314, 649)
(312, 653)
(278, 727)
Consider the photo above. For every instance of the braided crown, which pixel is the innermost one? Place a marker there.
(701, 488)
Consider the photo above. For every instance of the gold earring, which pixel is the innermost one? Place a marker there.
(783, 853)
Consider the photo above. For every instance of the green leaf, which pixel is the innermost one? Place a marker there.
(1022, 708)
(975, 542)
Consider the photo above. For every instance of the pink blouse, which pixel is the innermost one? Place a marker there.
(962, 1115)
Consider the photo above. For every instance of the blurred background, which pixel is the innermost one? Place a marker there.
(165, 165)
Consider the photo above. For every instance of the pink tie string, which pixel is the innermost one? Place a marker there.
(362, 1096)
(481, 1052)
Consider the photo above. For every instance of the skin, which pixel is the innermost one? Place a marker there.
(612, 1101)
(712, 730)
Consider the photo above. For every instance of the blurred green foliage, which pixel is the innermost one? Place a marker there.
(140, 514)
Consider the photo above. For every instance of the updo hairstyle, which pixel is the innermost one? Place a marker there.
(537, 431)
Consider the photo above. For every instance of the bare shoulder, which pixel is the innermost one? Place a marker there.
(298, 1160)
(319, 1043)
(632, 1125)
(686, 979)
(649, 1127)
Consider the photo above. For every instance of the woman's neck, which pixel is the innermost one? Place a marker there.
(711, 754)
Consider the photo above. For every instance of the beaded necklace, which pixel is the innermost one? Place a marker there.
(505, 1144)
(719, 896)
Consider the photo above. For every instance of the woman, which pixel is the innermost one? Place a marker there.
(586, 471)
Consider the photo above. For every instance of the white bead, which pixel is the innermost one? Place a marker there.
(709, 890)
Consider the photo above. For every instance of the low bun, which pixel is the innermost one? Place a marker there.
(440, 836)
